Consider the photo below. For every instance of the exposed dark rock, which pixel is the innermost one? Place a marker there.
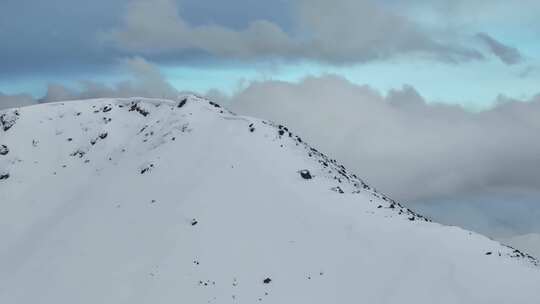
(267, 281)
(305, 174)
(78, 153)
(214, 104)
(100, 136)
(182, 103)
(4, 176)
(147, 169)
(4, 150)
(136, 107)
(7, 120)
(194, 222)
(338, 190)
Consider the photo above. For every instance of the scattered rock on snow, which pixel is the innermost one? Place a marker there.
(78, 153)
(147, 168)
(305, 174)
(182, 103)
(136, 107)
(214, 104)
(7, 120)
(338, 190)
(4, 150)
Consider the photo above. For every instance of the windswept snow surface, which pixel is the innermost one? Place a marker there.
(154, 201)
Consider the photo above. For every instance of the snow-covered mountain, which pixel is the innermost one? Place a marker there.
(155, 201)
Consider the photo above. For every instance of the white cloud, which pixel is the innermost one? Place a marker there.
(407, 148)
(529, 243)
(155, 26)
(340, 31)
(147, 81)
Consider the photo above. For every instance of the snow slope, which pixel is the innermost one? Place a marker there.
(154, 201)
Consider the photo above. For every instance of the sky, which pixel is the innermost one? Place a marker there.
(435, 102)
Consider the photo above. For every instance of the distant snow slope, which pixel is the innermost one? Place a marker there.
(154, 201)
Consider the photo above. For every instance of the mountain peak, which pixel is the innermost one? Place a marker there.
(142, 200)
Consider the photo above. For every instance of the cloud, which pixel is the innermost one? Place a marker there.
(530, 243)
(146, 81)
(38, 37)
(17, 100)
(507, 54)
(351, 30)
(344, 31)
(154, 26)
(496, 213)
(529, 71)
(407, 148)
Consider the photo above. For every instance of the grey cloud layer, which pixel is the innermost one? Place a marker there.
(17, 100)
(506, 54)
(146, 81)
(412, 150)
(154, 26)
(189, 31)
(338, 32)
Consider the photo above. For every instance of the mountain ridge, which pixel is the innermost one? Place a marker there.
(105, 156)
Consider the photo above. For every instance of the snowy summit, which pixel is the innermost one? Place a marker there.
(155, 201)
